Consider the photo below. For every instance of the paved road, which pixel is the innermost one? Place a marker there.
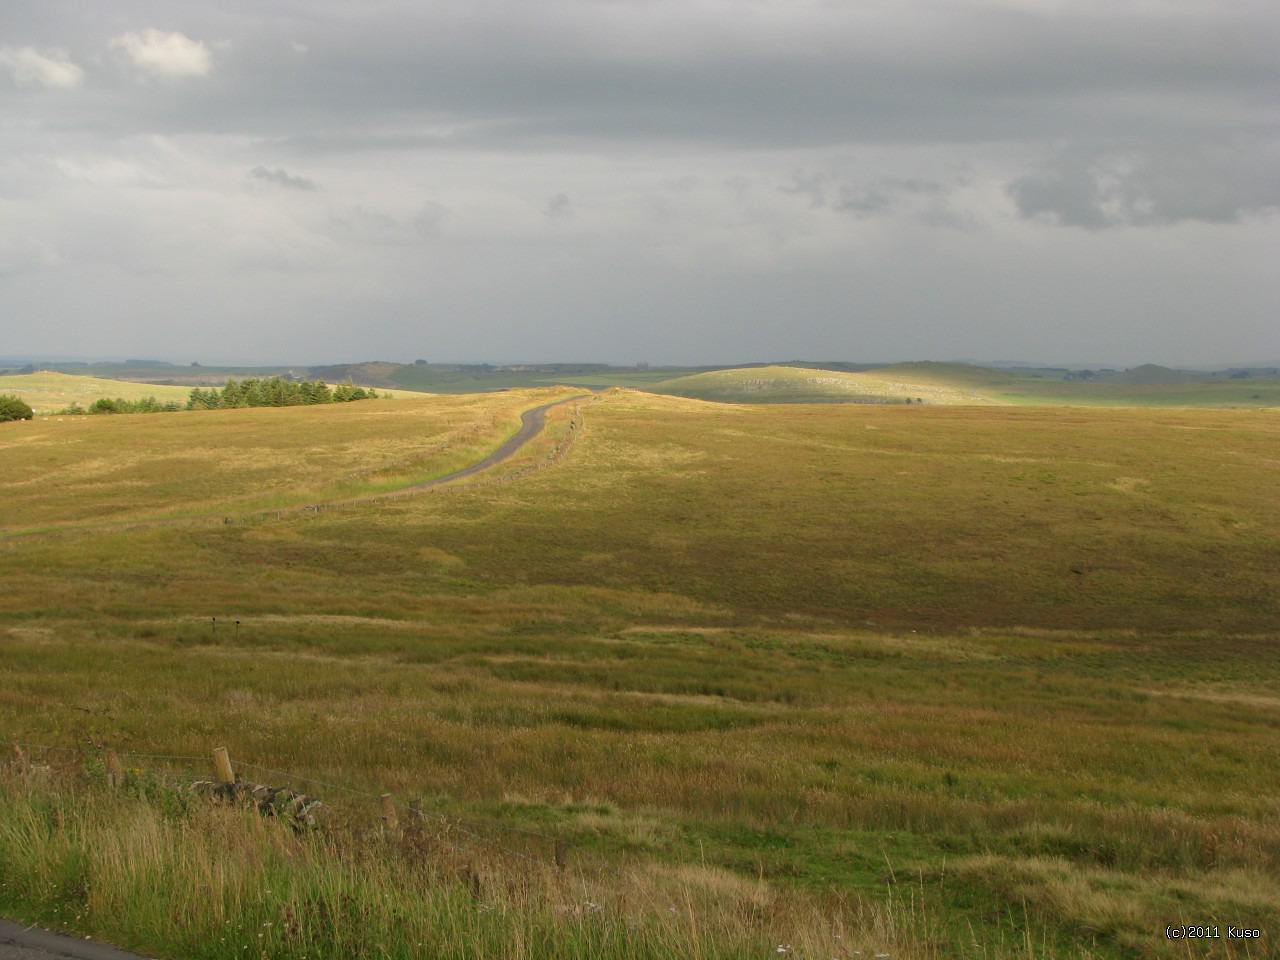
(32, 943)
(531, 424)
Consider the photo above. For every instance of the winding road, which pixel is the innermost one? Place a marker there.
(531, 424)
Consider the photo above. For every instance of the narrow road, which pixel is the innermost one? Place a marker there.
(33, 943)
(531, 424)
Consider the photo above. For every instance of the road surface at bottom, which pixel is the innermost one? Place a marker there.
(33, 943)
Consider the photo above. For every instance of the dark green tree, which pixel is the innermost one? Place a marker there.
(14, 408)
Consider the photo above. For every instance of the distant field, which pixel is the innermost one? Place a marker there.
(949, 383)
(46, 391)
(938, 681)
(1221, 394)
(779, 384)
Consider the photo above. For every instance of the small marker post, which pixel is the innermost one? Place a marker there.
(222, 763)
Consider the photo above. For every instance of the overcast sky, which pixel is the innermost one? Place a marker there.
(695, 181)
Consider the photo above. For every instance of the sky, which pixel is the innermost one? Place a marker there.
(668, 181)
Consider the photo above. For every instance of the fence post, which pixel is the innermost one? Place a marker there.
(562, 854)
(223, 764)
(19, 761)
(115, 772)
(389, 811)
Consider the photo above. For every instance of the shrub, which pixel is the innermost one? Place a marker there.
(13, 408)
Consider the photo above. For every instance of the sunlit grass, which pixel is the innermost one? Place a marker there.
(47, 391)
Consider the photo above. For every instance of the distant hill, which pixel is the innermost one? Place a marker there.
(376, 373)
(1154, 375)
(785, 384)
(949, 375)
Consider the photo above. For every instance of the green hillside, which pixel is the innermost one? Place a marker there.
(784, 384)
(956, 383)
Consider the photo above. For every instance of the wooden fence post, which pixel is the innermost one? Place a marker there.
(562, 854)
(223, 763)
(19, 761)
(115, 772)
(389, 811)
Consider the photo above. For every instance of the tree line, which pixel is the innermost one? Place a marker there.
(252, 392)
(275, 392)
(121, 405)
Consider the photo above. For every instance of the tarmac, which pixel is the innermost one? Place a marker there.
(34, 943)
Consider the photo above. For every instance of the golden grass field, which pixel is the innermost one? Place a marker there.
(47, 391)
(936, 681)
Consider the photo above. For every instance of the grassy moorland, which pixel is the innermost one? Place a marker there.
(957, 383)
(931, 681)
(74, 471)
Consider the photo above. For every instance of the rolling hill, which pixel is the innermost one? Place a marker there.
(782, 384)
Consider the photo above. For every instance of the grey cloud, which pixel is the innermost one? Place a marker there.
(559, 207)
(862, 197)
(280, 178)
(885, 194)
(428, 220)
(1136, 187)
(811, 185)
(379, 228)
(506, 76)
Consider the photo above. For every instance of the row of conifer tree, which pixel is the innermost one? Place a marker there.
(252, 392)
(275, 392)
